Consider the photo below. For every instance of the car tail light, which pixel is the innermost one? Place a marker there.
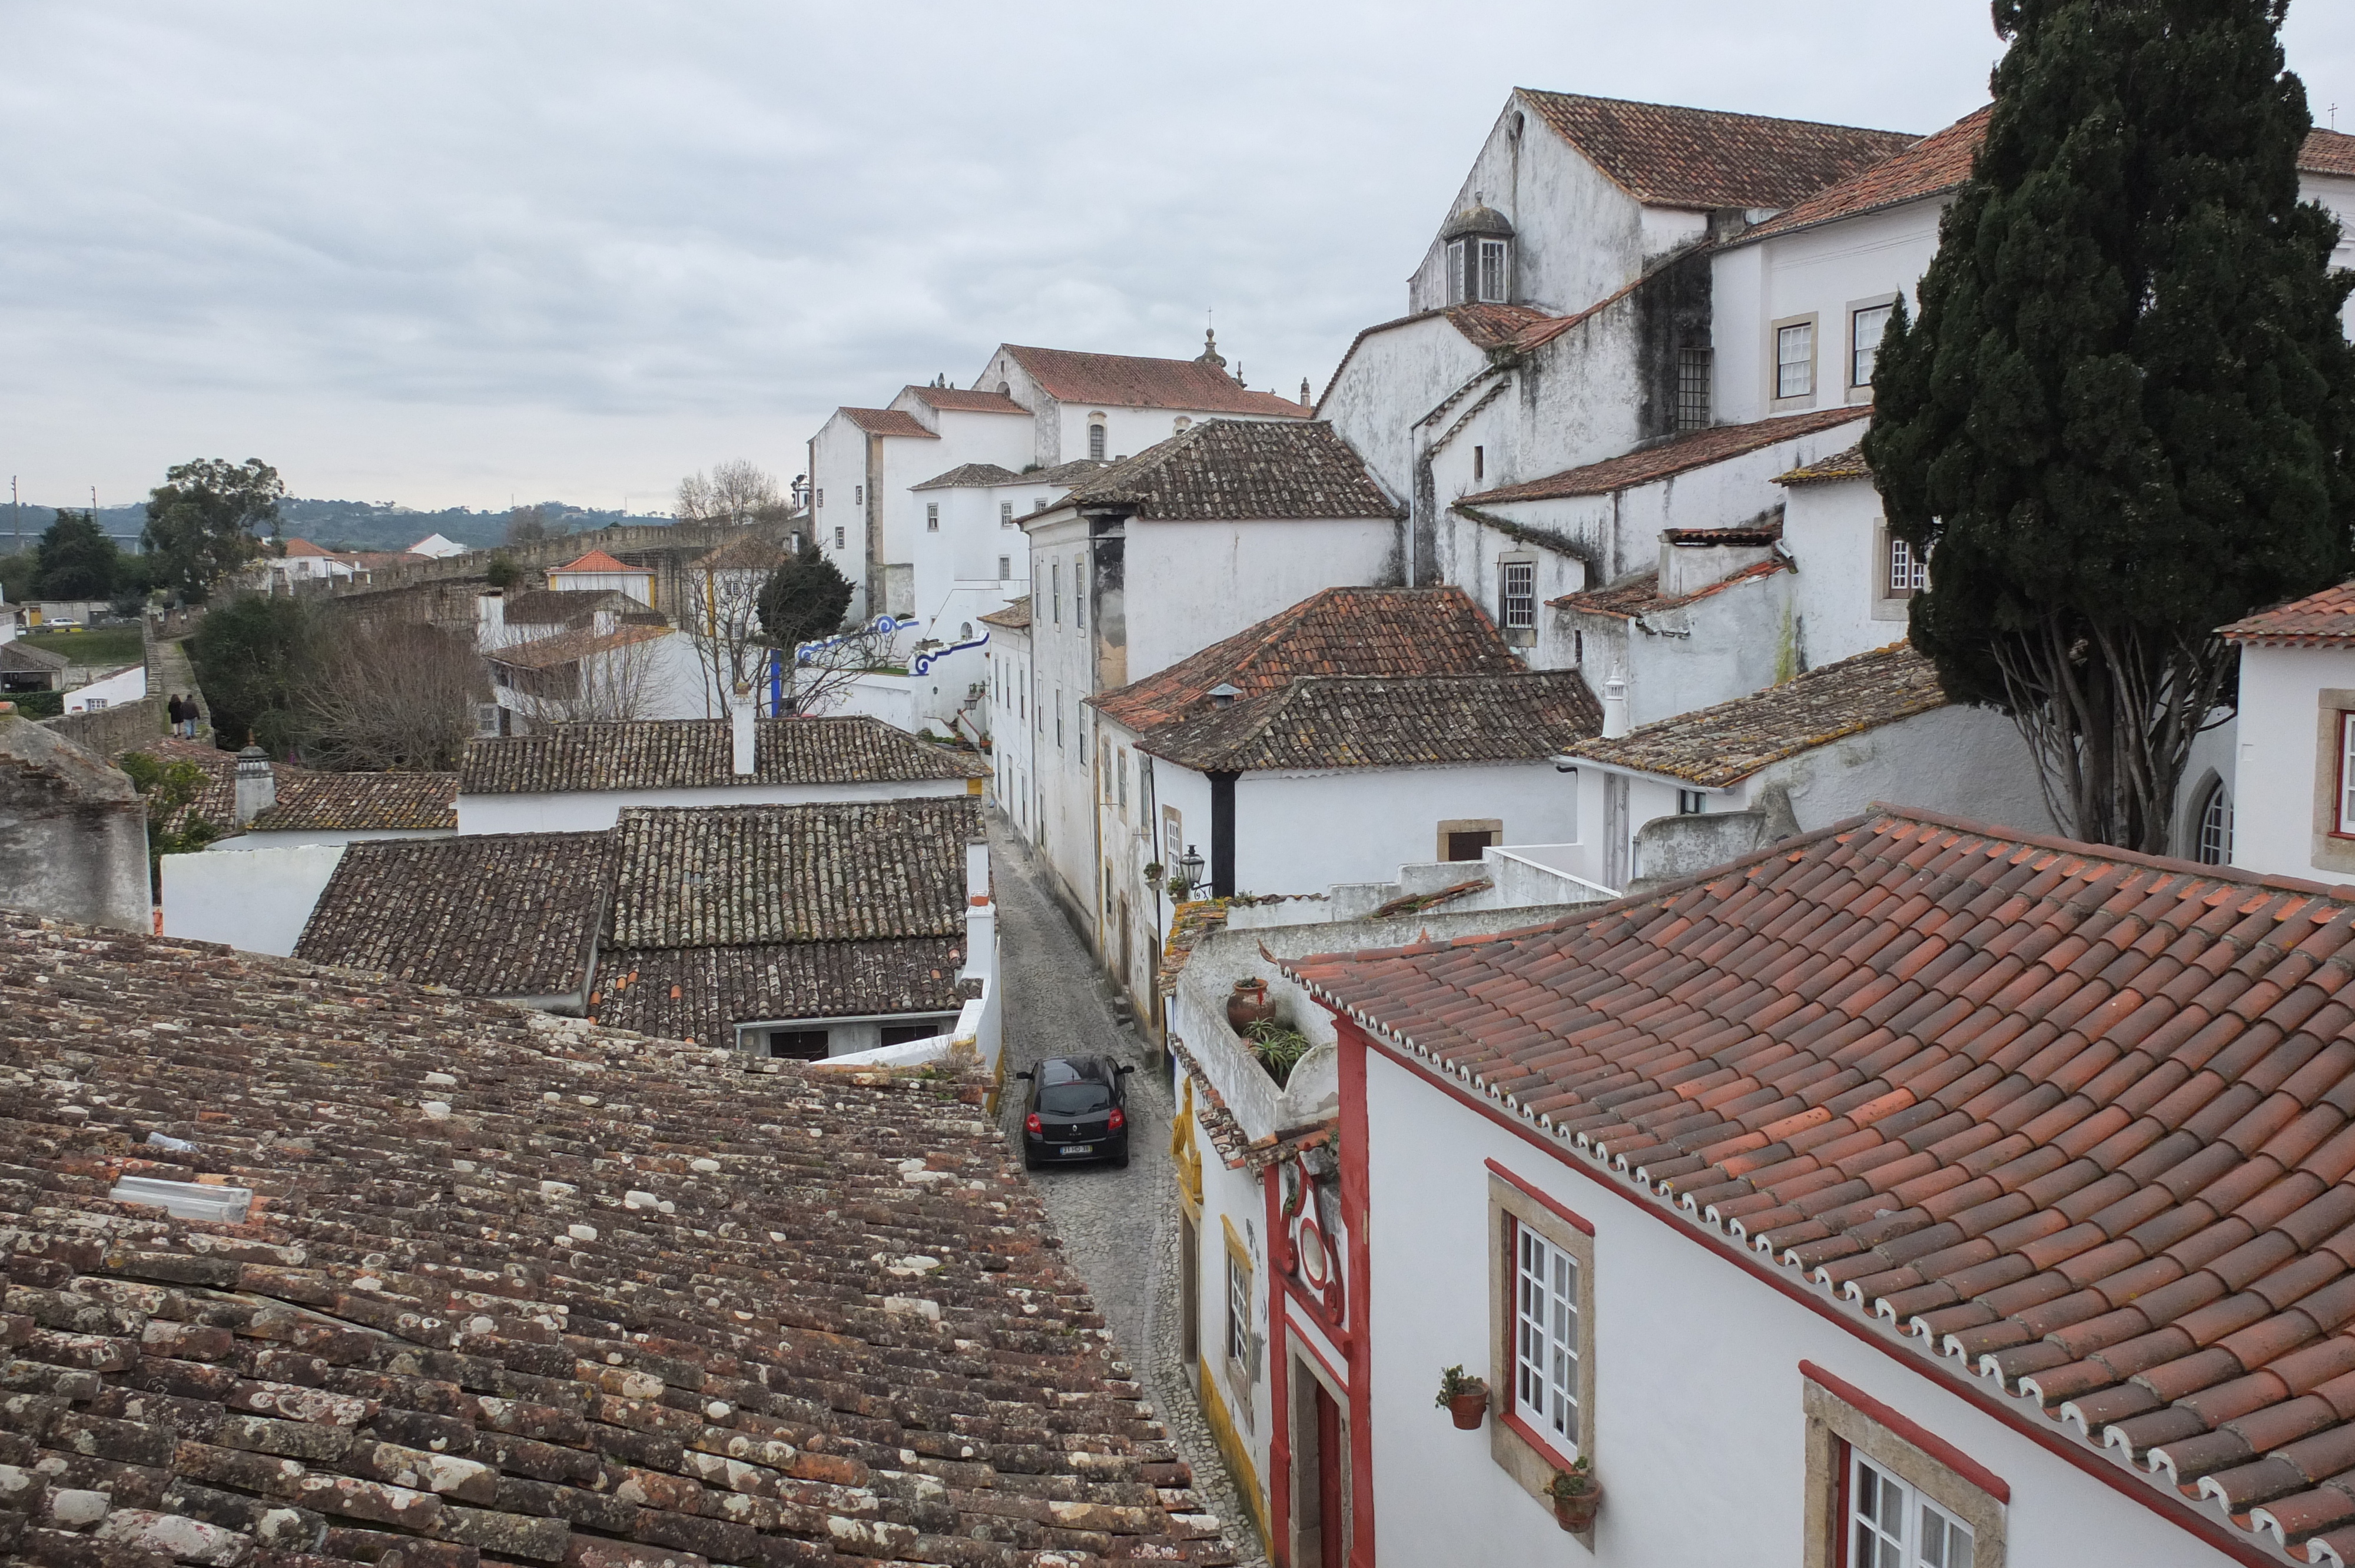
(1119, 1119)
(1032, 1124)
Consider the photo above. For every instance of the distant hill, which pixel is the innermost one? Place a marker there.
(347, 525)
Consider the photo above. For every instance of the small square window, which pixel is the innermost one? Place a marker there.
(932, 516)
(1909, 572)
(1794, 360)
(859, 495)
(1005, 515)
(1004, 568)
(821, 496)
(838, 539)
(1692, 803)
(1864, 330)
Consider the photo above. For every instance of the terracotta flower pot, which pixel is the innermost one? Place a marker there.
(1469, 1409)
(1249, 1005)
(1576, 1513)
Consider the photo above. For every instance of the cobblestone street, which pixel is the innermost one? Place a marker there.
(1118, 1226)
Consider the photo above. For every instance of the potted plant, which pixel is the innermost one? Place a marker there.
(1576, 1495)
(1152, 872)
(1249, 1004)
(1463, 1396)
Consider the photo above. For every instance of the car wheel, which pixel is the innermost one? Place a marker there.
(1120, 1160)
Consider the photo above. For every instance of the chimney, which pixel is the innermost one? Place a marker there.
(980, 914)
(1223, 695)
(1615, 707)
(257, 785)
(490, 619)
(976, 870)
(1306, 401)
(739, 730)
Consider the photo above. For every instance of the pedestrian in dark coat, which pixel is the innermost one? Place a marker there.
(176, 711)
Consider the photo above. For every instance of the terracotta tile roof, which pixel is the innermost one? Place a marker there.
(698, 754)
(2327, 152)
(1940, 161)
(1223, 469)
(1484, 326)
(359, 802)
(889, 422)
(1374, 721)
(1664, 459)
(746, 876)
(525, 1289)
(598, 561)
(1395, 633)
(1722, 746)
(750, 553)
(1014, 616)
(1936, 164)
(1119, 380)
(304, 547)
(511, 915)
(1062, 473)
(1767, 531)
(18, 654)
(571, 647)
(2074, 1118)
(1668, 157)
(960, 400)
(970, 473)
(1641, 595)
(1847, 463)
(216, 802)
(566, 607)
(703, 993)
(2318, 621)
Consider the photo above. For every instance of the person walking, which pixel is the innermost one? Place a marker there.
(178, 714)
(192, 714)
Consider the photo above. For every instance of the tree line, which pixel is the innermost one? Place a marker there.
(205, 521)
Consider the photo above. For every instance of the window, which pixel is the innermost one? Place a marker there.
(1005, 515)
(837, 540)
(800, 1044)
(1492, 270)
(932, 516)
(1080, 592)
(1692, 803)
(1004, 568)
(1238, 1336)
(1464, 838)
(1059, 715)
(1864, 329)
(2346, 773)
(1578, 650)
(1096, 440)
(1909, 573)
(1104, 793)
(859, 495)
(2214, 844)
(1121, 767)
(1055, 578)
(821, 497)
(1545, 1338)
(1692, 389)
(1479, 463)
(1794, 360)
(1456, 294)
(1893, 1526)
(1519, 608)
(1039, 503)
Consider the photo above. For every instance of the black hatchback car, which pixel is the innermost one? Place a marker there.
(1078, 1111)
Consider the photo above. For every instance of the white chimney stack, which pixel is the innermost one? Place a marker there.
(739, 730)
(490, 619)
(257, 785)
(980, 914)
(1615, 707)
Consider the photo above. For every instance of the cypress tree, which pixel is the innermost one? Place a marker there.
(2123, 416)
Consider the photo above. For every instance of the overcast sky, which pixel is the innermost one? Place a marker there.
(444, 253)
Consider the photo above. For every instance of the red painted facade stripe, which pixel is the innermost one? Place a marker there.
(1361, 1298)
(2239, 1548)
(1912, 1431)
(1553, 1205)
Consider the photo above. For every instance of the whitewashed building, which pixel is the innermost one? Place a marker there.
(1013, 732)
(2282, 800)
(598, 571)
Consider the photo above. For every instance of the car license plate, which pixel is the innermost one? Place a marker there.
(1078, 1149)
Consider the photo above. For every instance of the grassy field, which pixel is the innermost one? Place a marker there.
(111, 647)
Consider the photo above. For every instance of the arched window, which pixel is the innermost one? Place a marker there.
(965, 630)
(2213, 826)
(1096, 437)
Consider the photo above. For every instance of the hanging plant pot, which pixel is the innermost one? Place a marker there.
(1469, 1410)
(1577, 1512)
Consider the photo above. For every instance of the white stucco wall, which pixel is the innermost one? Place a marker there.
(1303, 833)
(1392, 378)
(1011, 736)
(837, 460)
(1189, 585)
(290, 839)
(2280, 765)
(127, 685)
(594, 810)
(1695, 1386)
(1833, 530)
(258, 902)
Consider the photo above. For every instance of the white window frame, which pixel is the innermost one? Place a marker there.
(859, 495)
(838, 543)
(932, 516)
(1079, 593)
(1517, 595)
(1891, 1524)
(1458, 272)
(1903, 574)
(1005, 515)
(1055, 575)
(1929, 1471)
(1005, 568)
(1780, 384)
(1862, 356)
(2345, 773)
(1099, 439)
(1495, 276)
(1527, 1445)
(1548, 1377)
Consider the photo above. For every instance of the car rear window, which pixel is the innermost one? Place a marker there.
(1072, 1100)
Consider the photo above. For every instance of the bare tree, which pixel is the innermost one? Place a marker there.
(723, 616)
(819, 676)
(527, 525)
(623, 679)
(737, 492)
(393, 694)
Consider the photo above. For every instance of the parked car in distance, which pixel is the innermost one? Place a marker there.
(62, 623)
(1077, 1109)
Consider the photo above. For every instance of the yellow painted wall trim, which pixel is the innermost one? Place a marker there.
(1238, 1458)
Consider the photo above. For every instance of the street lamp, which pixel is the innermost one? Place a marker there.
(1190, 867)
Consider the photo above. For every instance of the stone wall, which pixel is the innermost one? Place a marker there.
(665, 548)
(73, 831)
(109, 730)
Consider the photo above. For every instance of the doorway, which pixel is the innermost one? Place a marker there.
(1320, 1482)
(1190, 1288)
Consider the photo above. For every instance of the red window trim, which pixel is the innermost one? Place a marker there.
(1551, 1205)
(1912, 1431)
(1843, 1526)
(2338, 774)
